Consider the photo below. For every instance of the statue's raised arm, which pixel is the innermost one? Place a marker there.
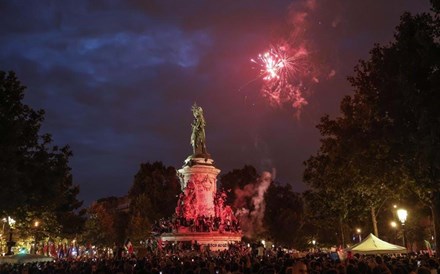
(198, 138)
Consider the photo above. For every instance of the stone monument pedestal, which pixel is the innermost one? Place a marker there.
(201, 215)
(198, 181)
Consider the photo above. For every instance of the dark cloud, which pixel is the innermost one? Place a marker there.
(117, 78)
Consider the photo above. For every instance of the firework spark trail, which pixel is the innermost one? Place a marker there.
(276, 64)
(282, 68)
(288, 69)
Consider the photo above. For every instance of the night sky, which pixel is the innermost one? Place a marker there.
(118, 78)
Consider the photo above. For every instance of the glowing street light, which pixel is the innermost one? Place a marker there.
(359, 231)
(393, 225)
(402, 214)
(36, 225)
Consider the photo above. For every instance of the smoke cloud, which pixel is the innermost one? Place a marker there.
(251, 219)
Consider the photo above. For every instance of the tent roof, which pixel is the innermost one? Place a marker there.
(373, 245)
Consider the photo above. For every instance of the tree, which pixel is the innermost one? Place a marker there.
(349, 167)
(401, 80)
(100, 227)
(333, 204)
(283, 217)
(153, 195)
(390, 127)
(323, 219)
(32, 171)
(140, 221)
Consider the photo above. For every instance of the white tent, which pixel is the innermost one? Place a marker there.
(373, 245)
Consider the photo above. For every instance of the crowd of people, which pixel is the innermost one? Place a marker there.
(239, 258)
(198, 224)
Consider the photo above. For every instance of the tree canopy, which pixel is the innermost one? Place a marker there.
(283, 217)
(387, 140)
(153, 196)
(35, 176)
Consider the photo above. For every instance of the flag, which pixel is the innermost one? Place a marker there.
(428, 247)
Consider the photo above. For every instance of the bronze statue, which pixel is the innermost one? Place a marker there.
(198, 138)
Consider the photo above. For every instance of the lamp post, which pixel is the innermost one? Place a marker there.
(402, 214)
(36, 225)
(1, 238)
(359, 231)
(10, 243)
(393, 225)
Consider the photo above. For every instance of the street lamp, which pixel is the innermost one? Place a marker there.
(402, 214)
(10, 243)
(36, 225)
(359, 231)
(313, 242)
(393, 225)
